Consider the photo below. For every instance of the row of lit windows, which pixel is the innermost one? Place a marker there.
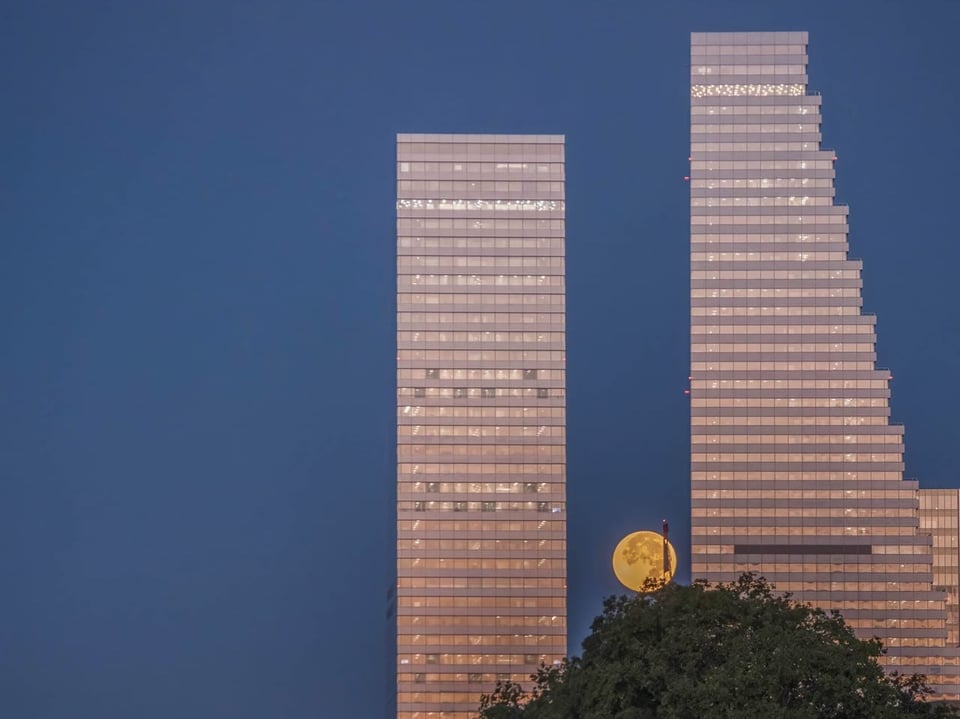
(753, 146)
(483, 243)
(758, 274)
(759, 183)
(784, 366)
(484, 677)
(732, 512)
(481, 392)
(474, 299)
(485, 412)
(775, 292)
(483, 527)
(488, 488)
(755, 109)
(753, 456)
(480, 431)
(528, 186)
(481, 450)
(496, 318)
(780, 457)
(747, 89)
(767, 219)
(485, 506)
(481, 545)
(409, 225)
(701, 127)
(768, 531)
(553, 169)
(774, 495)
(851, 567)
(451, 658)
(466, 620)
(766, 329)
(922, 642)
(751, 69)
(432, 601)
(501, 564)
(801, 201)
(794, 476)
(462, 205)
(545, 263)
(436, 356)
(529, 337)
(770, 346)
(483, 582)
(793, 420)
(492, 469)
(793, 439)
(766, 166)
(483, 146)
(774, 311)
(469, 373)
(480, 280)
(849, 583)
(754, 236)
(726, 262)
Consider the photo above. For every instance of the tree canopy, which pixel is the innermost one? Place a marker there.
(736, 651)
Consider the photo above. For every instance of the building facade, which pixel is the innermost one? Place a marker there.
(481, 463)
(940, 518)
(796, 470)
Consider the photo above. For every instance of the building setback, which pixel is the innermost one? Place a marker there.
(940, 518)
(481, 463)
(796, 470)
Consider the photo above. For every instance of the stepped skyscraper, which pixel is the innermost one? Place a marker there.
(796, 470)
(481, 423)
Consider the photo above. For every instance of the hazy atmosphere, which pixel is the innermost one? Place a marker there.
(197, 277)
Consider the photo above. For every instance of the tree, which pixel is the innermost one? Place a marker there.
(735, 651)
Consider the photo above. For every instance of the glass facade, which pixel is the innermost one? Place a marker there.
(481, 417)
(796, 470)
(940, 518)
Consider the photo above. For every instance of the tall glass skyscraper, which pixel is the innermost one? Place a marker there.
(796, 470)
(481, 463)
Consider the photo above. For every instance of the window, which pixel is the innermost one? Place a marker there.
(529, 374)
(542, 393)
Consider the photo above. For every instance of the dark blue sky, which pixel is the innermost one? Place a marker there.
(196, 303)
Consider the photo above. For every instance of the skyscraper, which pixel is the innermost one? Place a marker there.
(481, 465)
(796, 470)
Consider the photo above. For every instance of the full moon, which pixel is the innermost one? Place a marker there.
(639, 557)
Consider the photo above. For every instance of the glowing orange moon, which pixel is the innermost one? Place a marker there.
(639, 557)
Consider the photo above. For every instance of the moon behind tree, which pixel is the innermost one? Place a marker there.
(639, 557)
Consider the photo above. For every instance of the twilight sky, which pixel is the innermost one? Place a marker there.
(196, 306)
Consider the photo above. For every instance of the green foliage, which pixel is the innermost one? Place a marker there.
(735, 651)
